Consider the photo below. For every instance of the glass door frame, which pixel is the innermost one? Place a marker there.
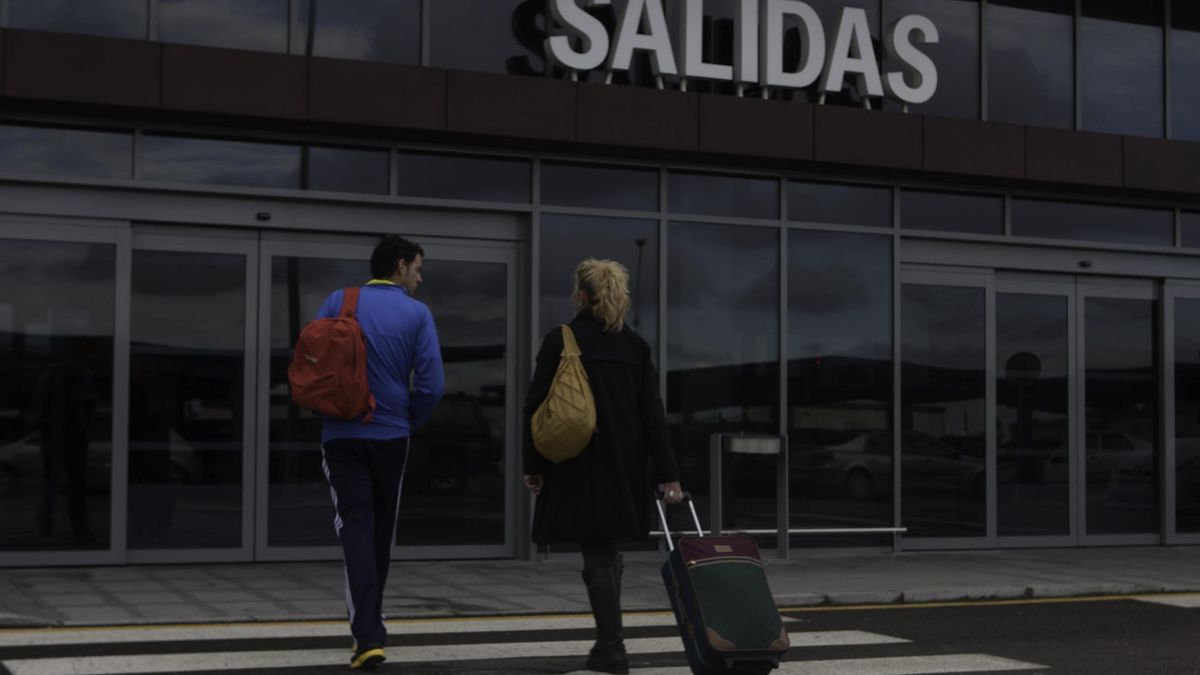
(243, 243)
(1051, 285)
(117, 234)
(355, 247)
(1173, 289)
(985, 280)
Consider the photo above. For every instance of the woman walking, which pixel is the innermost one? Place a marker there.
(603, 494)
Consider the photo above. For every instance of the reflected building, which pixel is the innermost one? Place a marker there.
(973, 318)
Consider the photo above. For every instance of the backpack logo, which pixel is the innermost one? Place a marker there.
(312, 358)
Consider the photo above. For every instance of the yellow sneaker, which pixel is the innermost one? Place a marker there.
(369, 657)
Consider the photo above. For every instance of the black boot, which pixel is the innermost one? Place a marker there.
(604, 593)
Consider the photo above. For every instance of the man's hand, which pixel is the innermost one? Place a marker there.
(672, 492)
(534, 483)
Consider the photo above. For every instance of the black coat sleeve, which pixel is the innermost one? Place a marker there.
(656, 437)
(539, 387)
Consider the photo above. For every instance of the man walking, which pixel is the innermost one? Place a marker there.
(364, 461)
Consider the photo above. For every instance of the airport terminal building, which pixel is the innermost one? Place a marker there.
(919, 264)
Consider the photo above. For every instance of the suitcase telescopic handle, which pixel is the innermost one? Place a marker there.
(662, 516)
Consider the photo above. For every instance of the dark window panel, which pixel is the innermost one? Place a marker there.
(220, 162)
(489, 179)
(956, 55)
(347, 170)
(942, 403)
(950, 212)
(260, 25)
(498, 36)
(1121, 65)
(840, 204)
(839, 379)
(715, 195)
(1030, 62)
(602, 187)
(567, 240)
(70, 152)
(388, 31)
(107, 18)
(1187, 415)
(56, 360)
(1185, 65)
(1190, 229)
(723, 357)
(1092, 222)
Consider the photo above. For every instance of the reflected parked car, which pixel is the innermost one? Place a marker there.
(1109, 454)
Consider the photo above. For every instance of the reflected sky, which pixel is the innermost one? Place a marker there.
(841, 204)
(71, 152)
(1030, 65)
(347, 170)
(951, 212)
(715, 195)
(943, 326)
(192, 301)
(1185, 84)
(956, 54)
(1120, 71)
(1092, 222)
(493, 179)
(604, 187)
(260, 25)
(108, 18)
(1120, 334)
(370, 30)
(1190, 226)
(57, 288)
(465, 35)
(200, 160)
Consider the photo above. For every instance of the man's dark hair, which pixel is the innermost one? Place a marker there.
(388, 253)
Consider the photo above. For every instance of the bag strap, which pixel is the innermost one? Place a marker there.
(570, 346)
(349, 303)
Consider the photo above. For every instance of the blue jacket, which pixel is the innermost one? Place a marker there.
(401, 343)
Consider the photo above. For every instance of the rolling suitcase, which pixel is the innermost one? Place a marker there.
(723, 605)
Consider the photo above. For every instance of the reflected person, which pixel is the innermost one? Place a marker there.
(66, 403)
(603, 494)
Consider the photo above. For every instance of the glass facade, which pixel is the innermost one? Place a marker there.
(233, 24)
(956, 54)
(950, 212)
(219, 162)
(489, 179)
(1187, 415)
(713, 195)
(388, 31)
(1031, 62)
(839, 204)
(1121, 66)
(1184, 60)
(66, 152)
(106, 18)
(1092, 222)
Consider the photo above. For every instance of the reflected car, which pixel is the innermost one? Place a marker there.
(861, 468)
(1109, 454)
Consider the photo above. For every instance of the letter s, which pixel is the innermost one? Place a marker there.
(591, 31)
(916, 66)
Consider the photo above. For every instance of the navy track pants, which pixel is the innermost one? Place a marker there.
(364, 479)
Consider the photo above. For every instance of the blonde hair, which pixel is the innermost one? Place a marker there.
(606, 282)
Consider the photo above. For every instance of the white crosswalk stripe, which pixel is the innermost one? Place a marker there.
(214, 647)
(1187, 601)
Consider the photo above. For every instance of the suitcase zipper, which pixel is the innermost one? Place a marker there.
(729, 559)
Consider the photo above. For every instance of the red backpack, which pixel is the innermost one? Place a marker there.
(328, 372)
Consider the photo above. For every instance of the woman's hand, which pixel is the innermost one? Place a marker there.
(672, 492)
(534, 482)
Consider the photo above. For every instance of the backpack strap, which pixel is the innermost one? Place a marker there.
(349, 303)
(570, 346)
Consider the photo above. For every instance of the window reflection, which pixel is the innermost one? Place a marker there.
(56, 355)
(472, 35)
(1031, 62)
(108, 18)
(1190, 229)
(723, 357)
(566, 240)
(260, 25)
(388, 31)
(951, 212)
(346, 170)
(1121, 398)
(829, 12)
(489, 179)
(185, 400)
(1092, 222)
(1187, 415)
(602, 187)
(715, 195)
(956, 54)
(202, 160)
(840, 380)
(1120, 67)
(1033, 461)
(840, 204)
(1185, 64)
(943, 433)
(71, 152)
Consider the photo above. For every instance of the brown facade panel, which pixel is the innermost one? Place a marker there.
(750, 126)
(1063, 156)
(1155, 164)
(636, 117)
(503, 105)
(81, 69)
(378, 94)
(974, 148)
(867, 137)
(234, 82)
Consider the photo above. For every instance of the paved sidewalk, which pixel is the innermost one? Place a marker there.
(314, 591)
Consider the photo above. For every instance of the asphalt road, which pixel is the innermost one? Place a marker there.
(1090, 636)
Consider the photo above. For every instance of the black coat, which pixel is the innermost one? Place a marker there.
(605, 492)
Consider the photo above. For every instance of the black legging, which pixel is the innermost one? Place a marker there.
(599, 554)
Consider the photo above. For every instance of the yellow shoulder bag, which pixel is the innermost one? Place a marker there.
(564, 423)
